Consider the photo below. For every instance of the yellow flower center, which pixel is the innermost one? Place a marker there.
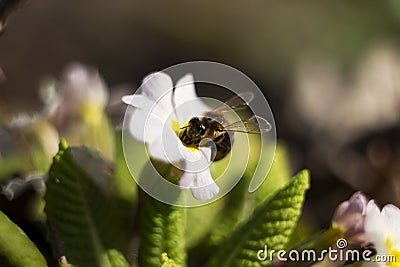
(91, 113)
(178, 131)
(175, 127)
(393, 254)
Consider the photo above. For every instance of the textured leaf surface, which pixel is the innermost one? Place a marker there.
(271, 224)
(166, 262)
(240, 203)
(162, 229)
(279, 175)
(16, 246)
(116, 258)
(81, 207)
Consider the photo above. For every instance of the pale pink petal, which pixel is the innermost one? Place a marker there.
(340, 211)
(350, 216)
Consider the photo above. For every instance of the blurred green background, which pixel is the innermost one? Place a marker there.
(330, 70)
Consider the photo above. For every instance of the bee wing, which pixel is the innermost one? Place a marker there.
(254, 124)
(238, 102)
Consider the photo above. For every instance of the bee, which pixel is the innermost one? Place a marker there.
(209, 127)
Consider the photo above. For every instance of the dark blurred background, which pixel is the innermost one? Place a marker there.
(330, 70)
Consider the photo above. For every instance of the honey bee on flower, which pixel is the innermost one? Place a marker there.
(178, 127)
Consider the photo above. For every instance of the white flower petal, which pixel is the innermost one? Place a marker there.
(187, 180)
(152, 123)
(167, 147)
(144, 127)
(83, 84)
(158, 87)
(197, 175)
(375, 227)
(195, 162)
(391, 217)
(204, 187)
(373, 220)
(138, 101)
(185, 89)
(198, 160)
(156, 150)
(185, 92)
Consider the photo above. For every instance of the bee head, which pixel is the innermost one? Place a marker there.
(196, 126)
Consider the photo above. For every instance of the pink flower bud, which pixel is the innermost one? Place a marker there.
(349, 217)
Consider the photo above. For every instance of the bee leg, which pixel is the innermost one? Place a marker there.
(209, 143)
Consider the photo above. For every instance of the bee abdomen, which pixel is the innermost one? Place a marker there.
(223, 144)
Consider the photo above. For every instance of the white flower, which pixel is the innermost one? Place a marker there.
(76, 106)
(161, 112)
(81, 93)
(383, 230)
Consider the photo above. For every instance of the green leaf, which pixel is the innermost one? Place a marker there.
(124, 184)
(162, 229)
(233, 213)
(278, 176)
(271, 224)
(239, 203)
(81, 208)
(166, 262)
(116, 258)
(16, 247)
(224, 215)
(198, 225)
